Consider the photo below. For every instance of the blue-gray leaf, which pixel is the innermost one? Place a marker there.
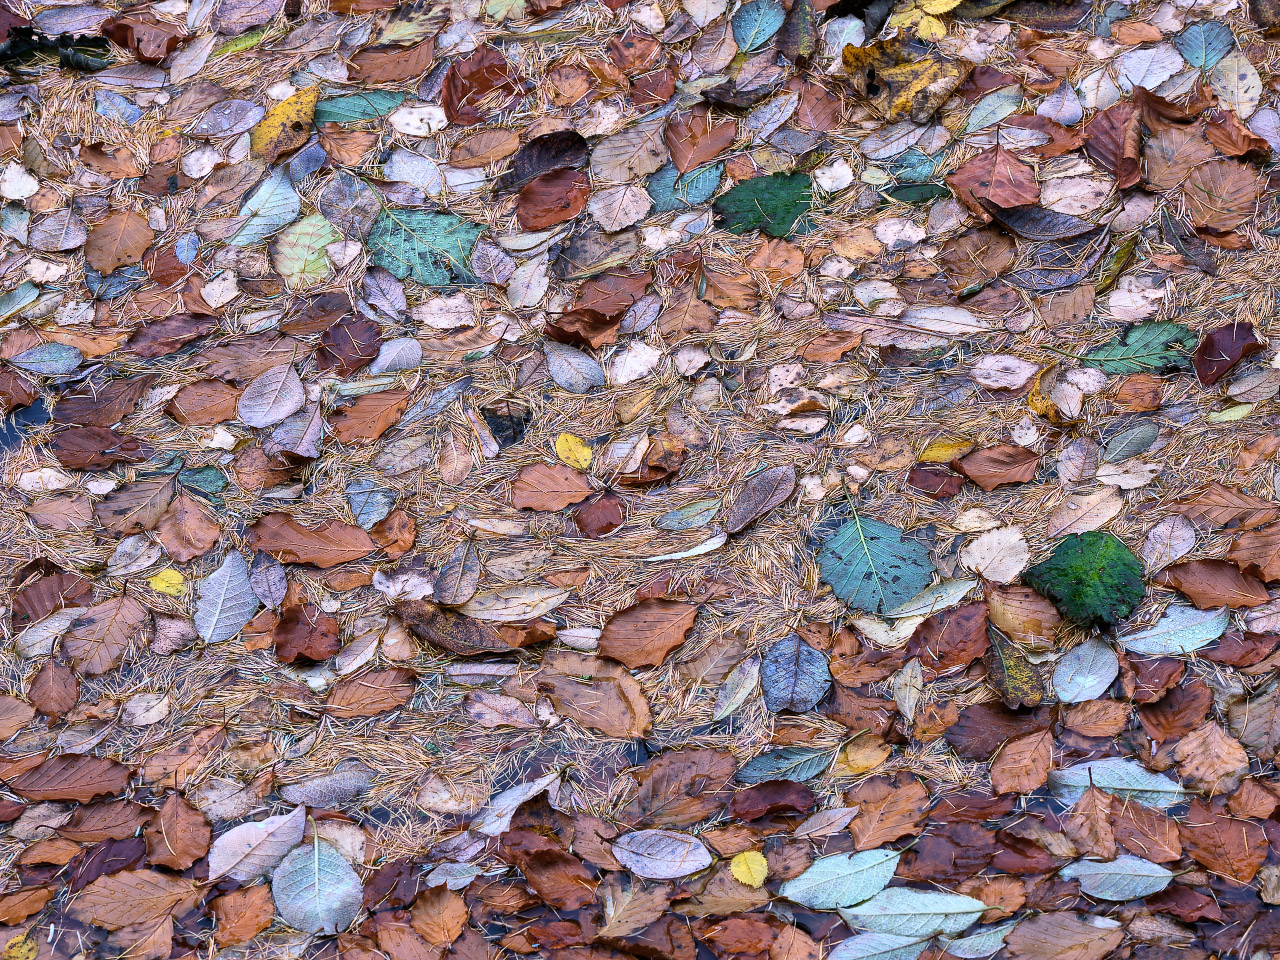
(48, 360)
(785, 763)
(794, 675)
(315, 889)
(1203, 44)
(842, 880)
(872, 566)
(756, 22)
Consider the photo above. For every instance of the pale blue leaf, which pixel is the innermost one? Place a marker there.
(871, 566)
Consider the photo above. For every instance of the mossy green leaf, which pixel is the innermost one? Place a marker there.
(1161, 346)
(1092, 578)
(772, 204)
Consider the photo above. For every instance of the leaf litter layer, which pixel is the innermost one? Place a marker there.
(639, 480)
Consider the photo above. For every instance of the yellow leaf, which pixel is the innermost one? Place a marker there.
(168, 581)
(936, 7)
(944, 450)
(1237, 412)
(286, 126)
(21, 947)
(861, 755)
(931, 28)
(749, 867)
(573, 451)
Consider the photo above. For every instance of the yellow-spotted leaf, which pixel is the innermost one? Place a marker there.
(573, 451)
(286, 126)
(750, 867)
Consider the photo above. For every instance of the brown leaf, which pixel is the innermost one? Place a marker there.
(761, 493)
(348, 345)
(552, 198)
(997, 176)
(1113, 137)
(14, 715)
(178, 835)
(1219, 506)
(1257, 721)
(600, 515)
(1062, 936)
(112, 820)
(330, 543)
(997, 466)
(204, 403)
(599, 694)
(549, 486)
(118, 241)
(1221, 194)
(976, 256)
(483, 148)
(187, 530)
(1226, 132)
(1088, 825)
(53, 691)
(644, 635)
(1171, 153)
(679, 788)
(439, 916)
(770, 798)
(305, 633)
(369, 417)
(1223, 844)
(170, 766)
(135, 507)
(1210, 761)
(17, 905)
(469, 80)
(1222, 348)
(694, 138)
(1258, 552)
(1023, 765)
(1214, 583)
(131, 897)
(95, 448)
(242, 914)
(392, 64)
(99, 637)
(371, 693)
(559, 878)
(687, 314)
(71, 777)
(150, 38)
(950, 639)
(888, 809)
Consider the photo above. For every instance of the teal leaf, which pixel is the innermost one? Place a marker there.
(1160, 345)
(872, 567)
(1092, 578)
(914, 913)
(431, 248)
(357, 106)
(842, 880)
(1126, 779)
(1203, 44)
(785, 763)
(756, 22)
(271, 207)
(772, 204)
(671, 191)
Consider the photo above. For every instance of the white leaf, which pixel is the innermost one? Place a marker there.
(271, 397)
(1169, 540)
(879, 946)
(632, 362)
(1062, 106)
(1236, 82)
(495, 819)
(703, 12)
(227, 601)
(1124, 878)
(315, 889)
(252, 850)
(981, 944)
(37, 640)
(529, 282)
(1182, 629)
(661, 854)
(997, 555)
(932, 599)
(269, 208)
(617, 207)
(401, 353)
(519, 602)
(405, 166)
(914, 913)
(826, 822)
(1085, 671)
(1124, 778)
(1148, 67)
(842, 880)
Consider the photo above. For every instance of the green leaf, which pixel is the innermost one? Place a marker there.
(1125, 878)
(1123, 778)
(842, 880)
(431, 248)
(981, 944)
(506, 9)
(671, 191)
(871, 566)
(772, 204)
(1160, 345)
(785, 763)
(1182, 629)
(298, 252)
(315, 889)
(357, 106)
(915, 192)
(1092, 578)
(914, 913)
(1203, 44)
(756, 22)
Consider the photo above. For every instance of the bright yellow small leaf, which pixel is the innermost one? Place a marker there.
(168, 581)
(750, 867)
(573, 451)
(286, 126)
(944, 450)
